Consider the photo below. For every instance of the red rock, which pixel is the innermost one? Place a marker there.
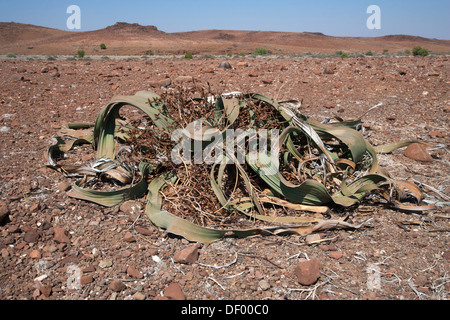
(174, 292)
(14, 228)
(335, 254)
(117, 286)
(446, 255)
(31, 236)
(184, 79)
(252, 74)
(308, 271)
(130, 207)
(46, 290)
(329, 106)
(161, 83)
(35, 254)
(61, 235)
(86, 279)
(89, 268)
(265, 81)
(331, 69)
(134, 273)
(4, 212)
(417, 151)
(129, 237)
(187, 255)
(143, 231)
(139, 296)
(64, 186)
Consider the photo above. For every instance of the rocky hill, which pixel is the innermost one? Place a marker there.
(133, 39)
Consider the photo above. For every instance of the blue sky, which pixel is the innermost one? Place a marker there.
(427, 18)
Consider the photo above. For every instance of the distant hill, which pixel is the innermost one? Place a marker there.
(133, 39)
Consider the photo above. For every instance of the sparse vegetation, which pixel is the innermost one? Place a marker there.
(260, 51)
(187, 55)
(80, 54)
(51, 58)
(341, 54)
(229, 54)
(385, 51)
(407, 52)
(206, 56)
(369, 53)
(102, 46)
(10, 55)
(419, 51)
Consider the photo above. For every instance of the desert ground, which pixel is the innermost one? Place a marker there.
(47, 237)
(54, 247)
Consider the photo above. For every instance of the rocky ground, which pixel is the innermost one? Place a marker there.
(56, 247)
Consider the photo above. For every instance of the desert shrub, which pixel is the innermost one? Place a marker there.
(70, 59)
(51, 58)
(369, 53)
(344, 55)
(10, 55)
(385, 51)
(102, 46)
(407, 52)
(260, 51)
(187, 55)
(419, 51)
(80, 54)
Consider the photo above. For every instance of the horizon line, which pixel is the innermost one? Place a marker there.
(214, 29)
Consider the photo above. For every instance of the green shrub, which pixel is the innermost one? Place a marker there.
(187, 55)
(80, 54)
(407, 52)
(344, 55)
(260, 51)
(385, 51)
(369, 53)
(102, 46)
(229, 54)
(419, 51)
(51, 58)
(10, 55)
